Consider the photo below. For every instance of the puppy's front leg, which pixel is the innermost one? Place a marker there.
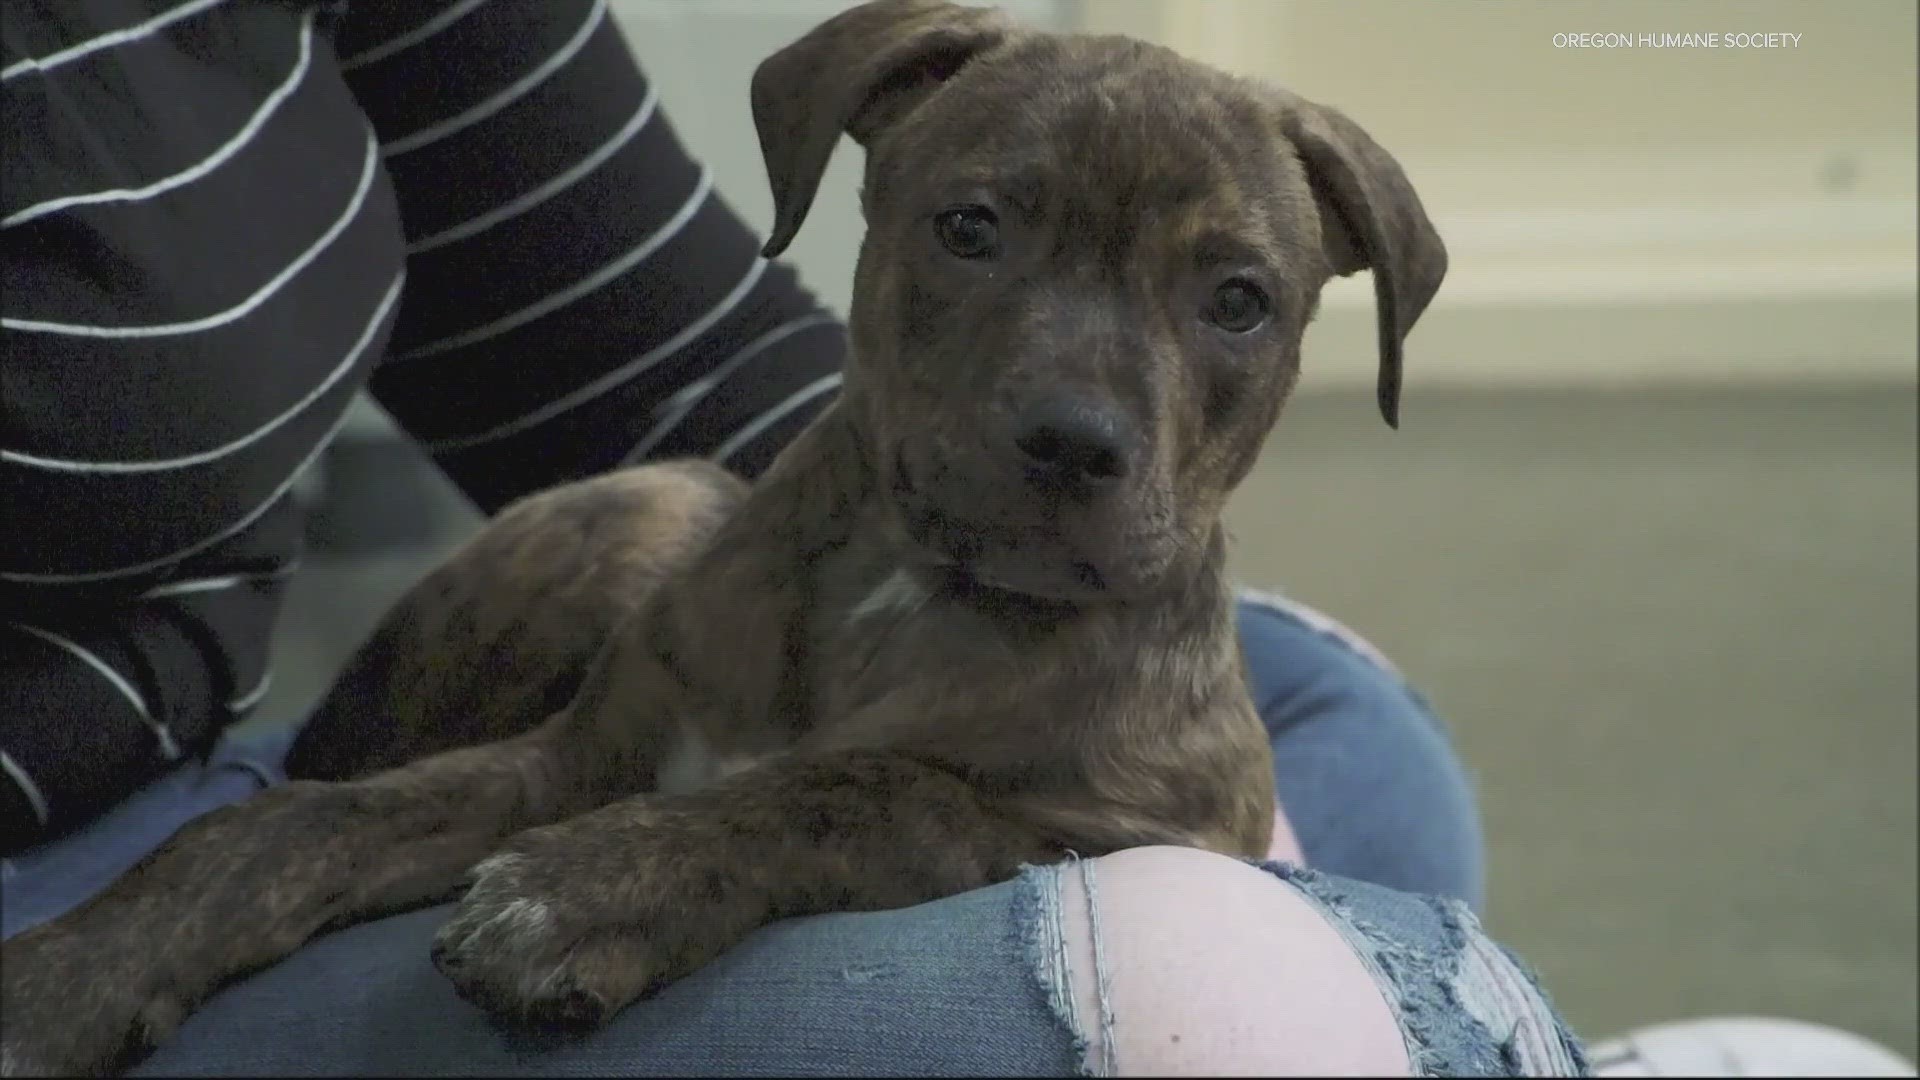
(243, 886)
(573, 921)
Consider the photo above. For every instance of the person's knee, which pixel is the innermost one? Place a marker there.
(1180, 962)
(1348, 732)
(1295, 651)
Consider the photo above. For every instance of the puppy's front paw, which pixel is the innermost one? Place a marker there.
(505, 949)
(73, 1004)
(538, 943)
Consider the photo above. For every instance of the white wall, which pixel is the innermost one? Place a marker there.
(701, 54)
(1612, 214)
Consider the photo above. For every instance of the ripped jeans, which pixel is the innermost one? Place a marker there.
(1151, 961)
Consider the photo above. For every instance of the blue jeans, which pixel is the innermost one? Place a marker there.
(1366, 773)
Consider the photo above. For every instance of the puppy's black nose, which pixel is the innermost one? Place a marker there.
(1064, 439)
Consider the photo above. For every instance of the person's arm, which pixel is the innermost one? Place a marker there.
(569, 304)
(96, 705)
(179, 343)
(578, 296)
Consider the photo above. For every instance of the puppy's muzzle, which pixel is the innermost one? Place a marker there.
(1073, 446)
(1034, 502)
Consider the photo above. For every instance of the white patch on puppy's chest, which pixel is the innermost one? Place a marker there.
(693, 763)
(898, 593)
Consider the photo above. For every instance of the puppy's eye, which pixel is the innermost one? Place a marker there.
(971, 232)
(1238, 306)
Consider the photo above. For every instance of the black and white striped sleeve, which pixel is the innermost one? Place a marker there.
(222, 219)
(201, 265)
(578, 296)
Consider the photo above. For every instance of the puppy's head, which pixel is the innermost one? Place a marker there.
(1087, 269)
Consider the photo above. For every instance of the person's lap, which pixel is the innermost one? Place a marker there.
(1365, 772)
(997, 981)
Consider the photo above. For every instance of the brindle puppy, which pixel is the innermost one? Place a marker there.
(974, 617)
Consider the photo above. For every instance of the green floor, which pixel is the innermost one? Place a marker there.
(1675, 632)
(1676, 635)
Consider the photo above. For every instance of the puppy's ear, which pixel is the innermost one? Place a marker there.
(858, 72)
(1371, 219)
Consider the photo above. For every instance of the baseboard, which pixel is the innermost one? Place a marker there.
(1798, 337)
(1793, 290)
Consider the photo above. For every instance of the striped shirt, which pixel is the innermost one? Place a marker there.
(223, 218)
